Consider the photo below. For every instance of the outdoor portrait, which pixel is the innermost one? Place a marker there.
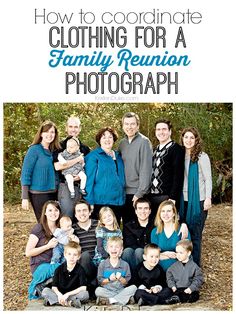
(118, 206)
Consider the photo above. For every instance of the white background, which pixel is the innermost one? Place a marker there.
(24, 54)
(26, 76)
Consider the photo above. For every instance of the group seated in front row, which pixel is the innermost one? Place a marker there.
(149, 286)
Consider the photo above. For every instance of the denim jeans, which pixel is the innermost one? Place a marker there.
(196, 234)
(52, 297)
(185, 297)
(153, 298)
(67, 203)
(87, 263)
(58, 254)
(133, 257)
(121, 295)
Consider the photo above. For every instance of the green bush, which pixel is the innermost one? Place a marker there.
(21, 121)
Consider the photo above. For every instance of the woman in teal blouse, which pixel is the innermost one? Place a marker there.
(105, 172)
(167, 233)
(197, 188)
(38, 177)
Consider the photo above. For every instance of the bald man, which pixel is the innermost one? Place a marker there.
(73, 128)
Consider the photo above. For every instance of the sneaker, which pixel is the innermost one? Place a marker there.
(38, 289)
(72, 195)
(131, 300)
(159, 287)
(140, 302)
(76, 303)
(40, 286)
(46, 302)
(173, 300)
(83, 192)
(102, 301)
(142, 287)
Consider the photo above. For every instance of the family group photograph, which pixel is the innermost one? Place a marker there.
(117, 206)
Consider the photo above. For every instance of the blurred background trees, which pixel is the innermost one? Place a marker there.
(214, 121)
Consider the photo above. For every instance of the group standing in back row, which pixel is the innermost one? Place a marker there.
(180, 175)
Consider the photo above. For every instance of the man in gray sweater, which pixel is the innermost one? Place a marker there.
(184, 277)
(136, 151)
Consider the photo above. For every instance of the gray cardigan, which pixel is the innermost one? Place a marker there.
(137, 157)
(185, 276)
(205, 179)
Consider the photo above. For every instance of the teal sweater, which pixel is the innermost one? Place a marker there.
(166, 244)
(38, 170)
(105, 178)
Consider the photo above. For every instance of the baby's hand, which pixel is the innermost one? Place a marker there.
(174, 289)
(188, 291)
(74, 238)
(80, 159)
(118, 275)
(70, 232)
(52, 243)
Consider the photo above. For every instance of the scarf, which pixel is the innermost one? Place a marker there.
(193, 214)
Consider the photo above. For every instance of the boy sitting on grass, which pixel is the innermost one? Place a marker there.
(69, 286)
(184, 277)
(113, 277)
(150, 278)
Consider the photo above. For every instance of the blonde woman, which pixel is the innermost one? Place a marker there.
(167, 233)
(107, 227)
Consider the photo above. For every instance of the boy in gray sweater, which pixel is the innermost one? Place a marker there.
(184, 277)
(113, 277)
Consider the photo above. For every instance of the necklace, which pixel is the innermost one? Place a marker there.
(111, 154)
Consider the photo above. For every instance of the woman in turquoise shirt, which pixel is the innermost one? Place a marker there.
(104, 168)
(167, 233)
(38, 177)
